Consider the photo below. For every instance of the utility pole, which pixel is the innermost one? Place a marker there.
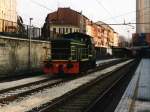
(30, 43)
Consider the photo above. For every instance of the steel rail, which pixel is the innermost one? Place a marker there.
(75, 94)
(110, 89)
(14, 95)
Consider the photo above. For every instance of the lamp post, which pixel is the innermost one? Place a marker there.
(30, 43)
(30, 21)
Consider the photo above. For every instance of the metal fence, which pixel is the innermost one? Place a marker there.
(19, 30)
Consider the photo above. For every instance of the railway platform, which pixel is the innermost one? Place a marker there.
(106, 61)
(137, 95)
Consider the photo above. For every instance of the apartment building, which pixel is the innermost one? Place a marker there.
(63, 21)
(8, 14)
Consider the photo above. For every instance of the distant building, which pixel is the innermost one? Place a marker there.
(143, 16)
(107, 34)
(66, 20)
(103, 35)
(94, 31)
(8, 13)
(116, 39)
(141, 39)
(63, 21)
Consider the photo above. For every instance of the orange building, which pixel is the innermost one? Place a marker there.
(95, 31)
(104, 35)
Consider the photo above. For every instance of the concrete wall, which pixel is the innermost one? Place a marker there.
(14, 55)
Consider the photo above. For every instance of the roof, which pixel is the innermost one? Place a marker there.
(79, 37)
(65, 16)
(104, 25)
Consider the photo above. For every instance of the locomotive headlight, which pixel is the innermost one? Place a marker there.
(65, 65)
(56, 65)
(69, 65)
(48, 65)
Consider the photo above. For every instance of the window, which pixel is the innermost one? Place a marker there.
(54, 30)
(66, 30)
(70, 30)
(63, 30)
(59, 30)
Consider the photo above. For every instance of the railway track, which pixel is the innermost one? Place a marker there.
(14, 77)
(85, 97)
(19, 92)
(108, 101)
(15, 93)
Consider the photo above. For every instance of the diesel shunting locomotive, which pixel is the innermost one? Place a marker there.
(72, 54)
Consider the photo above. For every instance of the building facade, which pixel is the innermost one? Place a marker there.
(63, 21)
(94, 31)
(143, 16)
(8, 13)
(107, 35)
(8, 10)
(116, 39)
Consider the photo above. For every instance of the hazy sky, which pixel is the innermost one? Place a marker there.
(109, 11)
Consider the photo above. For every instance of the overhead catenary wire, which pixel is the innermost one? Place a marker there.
(137, 17)
(123, 23)
(41, 5)
(114, 19)
(37, 19)
(121, 15)
(98, 1)
(127, 13)
(105, 9)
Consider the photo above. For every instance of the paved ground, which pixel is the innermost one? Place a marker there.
(137, 95)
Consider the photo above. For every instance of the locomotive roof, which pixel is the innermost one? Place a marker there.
(75, 37)
(78, 37)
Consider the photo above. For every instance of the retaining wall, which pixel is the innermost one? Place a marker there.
(14, 55)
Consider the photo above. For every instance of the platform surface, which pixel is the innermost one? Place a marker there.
(137, 95)
(106, 61)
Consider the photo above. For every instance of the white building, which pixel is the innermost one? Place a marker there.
(143, 16)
